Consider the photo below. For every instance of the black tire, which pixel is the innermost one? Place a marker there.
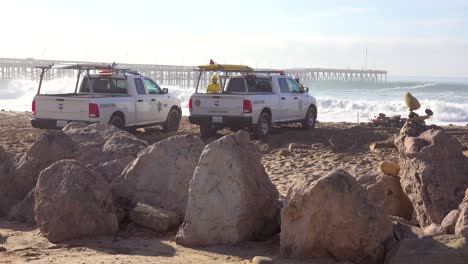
(310, 118)
(263, 126)
(207, 131)
(172, 122)
(117, 121)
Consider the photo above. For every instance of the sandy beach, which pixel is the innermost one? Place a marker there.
(289, 155)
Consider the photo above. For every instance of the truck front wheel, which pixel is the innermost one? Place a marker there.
(310, 118)
(172, 122)
(262, 128)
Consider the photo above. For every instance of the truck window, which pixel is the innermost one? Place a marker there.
(236, 85)
(258, 85)
(293, 86)
(104, 85)
(284, 87)
(152, 87)
(140, 88)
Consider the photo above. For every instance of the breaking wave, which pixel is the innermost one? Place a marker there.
(449, 107)
(332, 109)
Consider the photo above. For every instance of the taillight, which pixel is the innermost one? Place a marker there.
(93, 110)
(247, 106)
(190, 106)
(33, 107)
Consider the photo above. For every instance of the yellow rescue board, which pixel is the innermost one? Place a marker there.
(221, 67)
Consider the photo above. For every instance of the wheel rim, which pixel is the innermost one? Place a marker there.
(264, 126)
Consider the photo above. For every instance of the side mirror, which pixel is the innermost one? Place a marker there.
(429, 112)
(306, 89)
(165, 90)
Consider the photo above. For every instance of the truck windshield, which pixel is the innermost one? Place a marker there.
(104, 85)
(258, 85)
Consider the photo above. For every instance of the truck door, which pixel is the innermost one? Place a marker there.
(297, 100)
(159, 106)
(142, 102)
(286, 102)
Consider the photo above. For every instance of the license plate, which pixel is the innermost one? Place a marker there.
(61, 123)
(217, 119)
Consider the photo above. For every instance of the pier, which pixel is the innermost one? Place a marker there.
(184, 76)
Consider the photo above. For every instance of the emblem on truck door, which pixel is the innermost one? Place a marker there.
(60, 106)
(197, 102)
(216, 103)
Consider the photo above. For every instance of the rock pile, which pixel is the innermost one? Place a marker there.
(434, 172)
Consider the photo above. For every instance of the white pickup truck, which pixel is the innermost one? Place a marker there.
(112, 96)
(251, 99)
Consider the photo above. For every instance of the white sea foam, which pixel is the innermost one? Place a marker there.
(17, 95)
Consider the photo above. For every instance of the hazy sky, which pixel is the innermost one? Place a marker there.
(417, 38)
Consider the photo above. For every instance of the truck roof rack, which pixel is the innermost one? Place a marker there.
(233, 68)
(83, 66)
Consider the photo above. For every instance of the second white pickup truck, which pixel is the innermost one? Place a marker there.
(111, 96)
(252, 99)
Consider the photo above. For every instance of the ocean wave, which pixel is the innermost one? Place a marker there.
(407, 87)
(333, 109)
(19, 95)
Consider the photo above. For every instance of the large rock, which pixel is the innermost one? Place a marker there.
(332, 217)
(161, 174)
(434, 172)
(156, 219)
(386, 191)
(24, 211)
(231, 198)
(72, 201)
(438, 250)
(8, 193)
(106, 149)
(48, 148)
(450, 221)
(19, 176)
(461, 226)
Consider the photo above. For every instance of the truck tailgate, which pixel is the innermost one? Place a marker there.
(62, 108)
(219, 104)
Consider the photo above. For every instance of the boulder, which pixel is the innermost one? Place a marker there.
(433, 172)
(402, 229)
(161, 174)
(8, 193)
(389, 168)
(156, 219)
(333, 217)
(72, 201)
(24, 211)
(450, 221)
(438, 250)
(434, 230)
(18, 176)
(106, 149)
(386, 192)
(231, 198)
(49, 147)
(461, 227)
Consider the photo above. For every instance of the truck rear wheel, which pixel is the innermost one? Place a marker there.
(263, 126)
(172, 122)
(310, 118)
(117, 121)
(207, 131)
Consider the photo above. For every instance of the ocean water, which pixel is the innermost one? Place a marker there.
(337, 101)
